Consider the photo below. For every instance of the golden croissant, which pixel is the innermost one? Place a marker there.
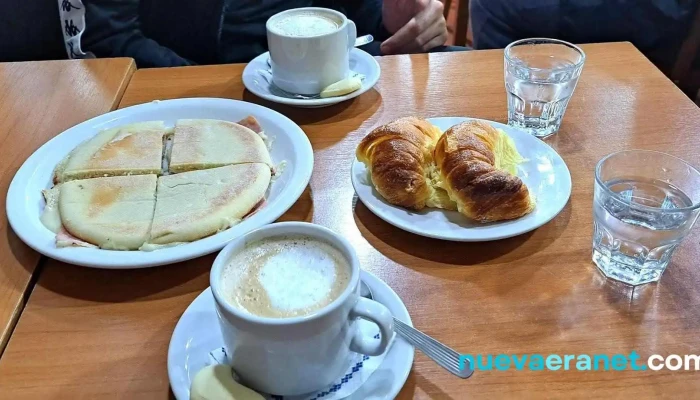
(413, 165)
(465, 159)
(399, 155)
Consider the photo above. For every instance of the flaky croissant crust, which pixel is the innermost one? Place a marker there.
(401, 156)
(466, 162)
(398, 155)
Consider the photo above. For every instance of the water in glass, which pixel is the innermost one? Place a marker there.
(638, 223)
(540, 78)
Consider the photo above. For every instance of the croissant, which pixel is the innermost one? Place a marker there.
(399, 155)
(466, 162)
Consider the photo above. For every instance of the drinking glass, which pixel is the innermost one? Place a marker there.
(541, 75)
(644, 204)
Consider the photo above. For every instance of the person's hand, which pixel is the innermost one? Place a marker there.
(397, 13)
(416, 25)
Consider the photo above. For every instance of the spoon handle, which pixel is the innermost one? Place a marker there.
(438, 352)
(363, 40)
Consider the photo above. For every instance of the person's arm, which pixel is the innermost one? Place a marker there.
(403, 26)
(112, 30)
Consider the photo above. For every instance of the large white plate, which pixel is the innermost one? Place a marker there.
(360, 62)
(545, 174)
(197, 333)
(25, 202)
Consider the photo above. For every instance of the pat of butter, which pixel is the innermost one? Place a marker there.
(215, 382)
(342, 88)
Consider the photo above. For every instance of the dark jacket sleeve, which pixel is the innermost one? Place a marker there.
(112, 30)
(367, 15)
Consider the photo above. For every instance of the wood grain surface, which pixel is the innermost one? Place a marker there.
(37, 101)
(96, 333)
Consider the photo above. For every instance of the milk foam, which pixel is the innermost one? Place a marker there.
(285, 277)
(304, 25)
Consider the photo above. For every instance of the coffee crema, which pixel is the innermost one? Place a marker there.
(305, 24)
(286, 276)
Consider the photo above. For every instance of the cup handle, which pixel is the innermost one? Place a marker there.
(380, 315)
(352, 35)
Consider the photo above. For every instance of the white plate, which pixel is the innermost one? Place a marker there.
(545, 174)
(360, 62)
(25, 202)
(197, 333)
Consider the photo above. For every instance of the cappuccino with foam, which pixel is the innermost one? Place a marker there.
(305, 24)
(286, 276)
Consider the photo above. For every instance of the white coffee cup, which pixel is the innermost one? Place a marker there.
(297, 355)
(308, 64)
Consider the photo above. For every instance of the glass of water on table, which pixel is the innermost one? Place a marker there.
(541, 75)
(644, 205)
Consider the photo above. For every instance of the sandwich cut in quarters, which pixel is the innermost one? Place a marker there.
(191, 205)
(134, 149)
(196, 204)
(207, 143)
(112, 213)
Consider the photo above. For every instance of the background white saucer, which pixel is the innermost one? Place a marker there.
(545, 173)
(197, 333)
(25, 202)
(360, 62)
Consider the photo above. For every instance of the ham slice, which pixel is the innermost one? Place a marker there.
(65, 239)
(262, 203)
(251, 123)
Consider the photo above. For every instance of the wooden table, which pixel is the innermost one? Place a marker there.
(37, 101)
(96, 333)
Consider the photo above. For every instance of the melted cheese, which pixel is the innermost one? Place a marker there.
(153, 247)
(278, 170)
(506, 153)
(50, 217)
(439, 198)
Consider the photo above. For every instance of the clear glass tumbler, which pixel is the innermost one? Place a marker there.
(541, 75)
(644, 204)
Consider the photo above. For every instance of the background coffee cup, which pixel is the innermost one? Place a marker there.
(290, 356)
(307, 65)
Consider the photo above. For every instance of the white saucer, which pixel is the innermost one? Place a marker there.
(545, 173)
(197, 333)
(360, 62)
